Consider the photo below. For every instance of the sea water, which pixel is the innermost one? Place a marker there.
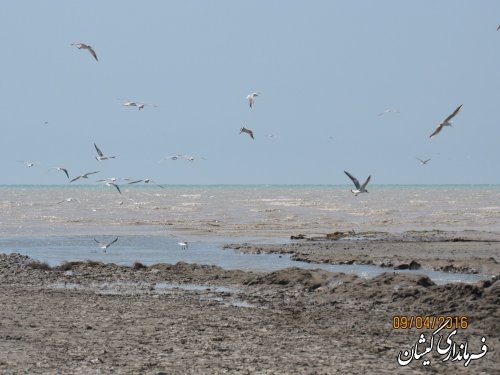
(40, 221)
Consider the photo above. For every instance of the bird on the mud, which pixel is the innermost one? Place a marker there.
(359, 188)
(104, 246)
(446, 121)
(87, 47)
(247, 131)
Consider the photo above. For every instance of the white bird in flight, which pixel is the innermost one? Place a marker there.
(85, 175)
(183, 245)
(104, 246)
(446, 121)
(251, 98)
(423, 162)
(185, 157)
(359, 188)
(67, 200)
(100, 155)
(139, 105)
(388, 110)
(145, 180)
(61, 169)
(110, 182)
(29, 164)
(247, 131)
(109, 179)
(87, 47)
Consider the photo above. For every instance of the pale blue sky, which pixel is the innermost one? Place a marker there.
(324, 70)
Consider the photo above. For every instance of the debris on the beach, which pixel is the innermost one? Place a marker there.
(408, 266)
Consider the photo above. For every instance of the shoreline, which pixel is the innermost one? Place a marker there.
(470, 252)
(93, 318)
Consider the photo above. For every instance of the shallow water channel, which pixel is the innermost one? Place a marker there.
(161, 249)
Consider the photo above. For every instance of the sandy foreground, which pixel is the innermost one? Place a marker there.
(92, 318)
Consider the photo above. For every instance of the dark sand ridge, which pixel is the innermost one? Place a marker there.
(116, 320)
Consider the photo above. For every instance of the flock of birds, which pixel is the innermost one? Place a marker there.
(251, 98)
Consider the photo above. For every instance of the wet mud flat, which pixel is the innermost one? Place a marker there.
(464, 252)
(95, 318)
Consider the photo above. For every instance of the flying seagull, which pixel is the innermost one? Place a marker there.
(62, 170)
(109, 179)
(424, 162)
(446, 121)
(145, 180)
(498, 28)
(388, 110)
(85, 175)
(104, 246)
(251, 98)
(186, 157)
(100, 155)
(191, 158)
(113, 184)
(359, 188)
(29, 164)
(248, 131)
(139, 105)
(67, 200)
(183, 244)
(87, 47)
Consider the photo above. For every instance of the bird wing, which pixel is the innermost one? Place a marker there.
(135, 182)
(453, 114)
(112, 242)
(251, 134)
(65, 171)
(97, 241)
(116, 186)
(76, 178)
(92, 52)
(99, 152)
(354, 179)
(438, 129)
(426, 161)
(366, 182)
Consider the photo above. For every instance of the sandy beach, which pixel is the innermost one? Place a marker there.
(94, 318)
